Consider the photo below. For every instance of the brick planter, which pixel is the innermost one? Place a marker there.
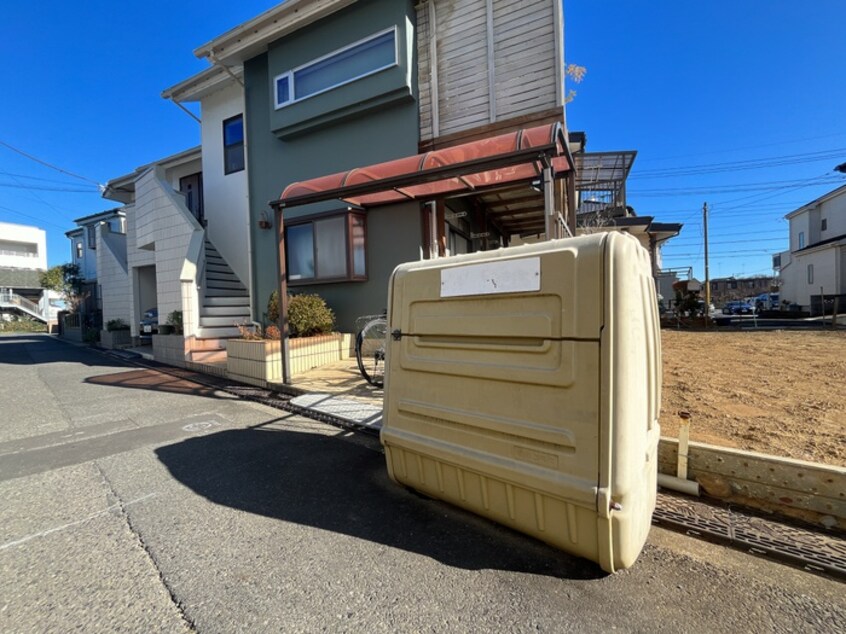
(254, 362)
(259, 362)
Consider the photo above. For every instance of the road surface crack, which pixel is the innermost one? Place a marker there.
(121, 508)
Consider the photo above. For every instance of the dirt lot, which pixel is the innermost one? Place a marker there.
(779, 392)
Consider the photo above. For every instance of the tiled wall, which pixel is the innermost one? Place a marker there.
(113, 278)
(163, 221)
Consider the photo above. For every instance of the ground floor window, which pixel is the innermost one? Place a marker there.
(326, 248)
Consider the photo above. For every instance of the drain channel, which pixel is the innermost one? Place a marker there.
(808, 548)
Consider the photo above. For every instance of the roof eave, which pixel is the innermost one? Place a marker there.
(252, 37)
(202, 84)
(817, 201)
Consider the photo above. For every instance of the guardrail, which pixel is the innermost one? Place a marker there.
(13, 299)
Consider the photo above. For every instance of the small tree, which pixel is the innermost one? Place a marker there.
(64, 279)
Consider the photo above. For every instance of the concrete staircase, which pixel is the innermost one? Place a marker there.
(225, 302)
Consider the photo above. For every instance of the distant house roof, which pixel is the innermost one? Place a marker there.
(832, 194)
(99, 216)
(19, 278)
(118, 188)
(643, 224)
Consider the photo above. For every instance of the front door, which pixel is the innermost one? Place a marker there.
(192, 187)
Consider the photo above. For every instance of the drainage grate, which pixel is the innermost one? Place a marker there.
(811, 549)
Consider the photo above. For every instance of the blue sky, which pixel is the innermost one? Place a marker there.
(685, 84)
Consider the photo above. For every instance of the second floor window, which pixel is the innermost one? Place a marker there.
(91, 232)
(345, 65)
(79, 250)
(801, 239)
(233, 144)
(823, 224)
(810, 274)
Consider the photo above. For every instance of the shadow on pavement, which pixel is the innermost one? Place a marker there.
(153, 380)
(331, 483)
(35, 349)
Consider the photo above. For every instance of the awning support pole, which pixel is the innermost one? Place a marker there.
(283, 297)
(549, 204)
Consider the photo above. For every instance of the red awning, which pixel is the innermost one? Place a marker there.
(499, 161)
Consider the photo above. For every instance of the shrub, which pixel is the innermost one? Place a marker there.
(272, 332)
(22, 324)
(116, 324)
(175, 319)
(273, 307)
(309, 315)
(91, 335)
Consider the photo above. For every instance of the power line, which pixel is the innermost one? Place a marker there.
(69, 190)
(46, 164)
(748, 164)
(730, 189)
(25, 215)
(35, 178)
(697, 241)
(747, 147)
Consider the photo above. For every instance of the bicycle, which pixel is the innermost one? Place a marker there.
(370, 344)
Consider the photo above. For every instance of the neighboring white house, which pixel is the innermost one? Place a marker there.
(22, 247)
(815, 264)
(23, 257)
(86, 253)
(187, 245)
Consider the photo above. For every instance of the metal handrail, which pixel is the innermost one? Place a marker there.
(15, 299)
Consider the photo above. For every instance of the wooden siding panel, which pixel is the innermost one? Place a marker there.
(423, 72)
(525, 68)
(524, 56)
(462, 65)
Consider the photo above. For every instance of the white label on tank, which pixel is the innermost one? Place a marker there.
(490, 278)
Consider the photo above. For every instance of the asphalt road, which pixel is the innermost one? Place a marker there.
(132, 501)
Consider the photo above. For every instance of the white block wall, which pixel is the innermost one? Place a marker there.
(113, 276)
(164, 223)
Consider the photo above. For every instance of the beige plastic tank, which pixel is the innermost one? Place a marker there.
(523, 384)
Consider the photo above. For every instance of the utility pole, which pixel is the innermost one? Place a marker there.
(707, 273)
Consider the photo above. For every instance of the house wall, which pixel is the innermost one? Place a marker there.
(799, 224)
(485, 61)
(351, 140)
(834, 211)
(22, 246)
(828, 262)
(113, 274)
(172, 230)
(135, 259)
(225, 195)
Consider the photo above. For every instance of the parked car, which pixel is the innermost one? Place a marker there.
(767, 301)
(150, 322)
(738, 308)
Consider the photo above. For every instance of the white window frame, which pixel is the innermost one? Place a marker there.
(810, 274)
(290, 73)
(801, 239)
